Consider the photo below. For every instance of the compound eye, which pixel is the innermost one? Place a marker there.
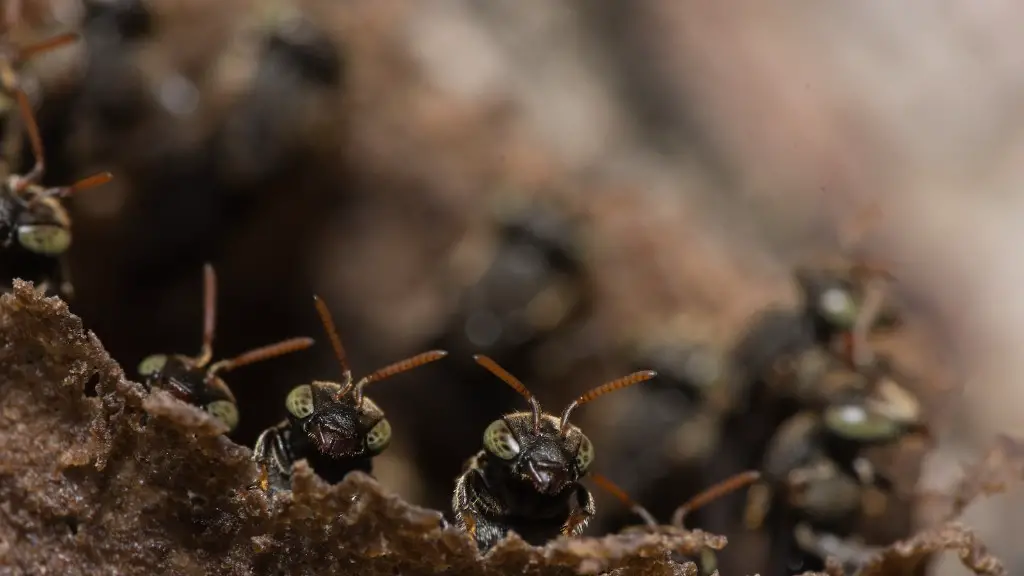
(44, 239)
(379, 437)
(585, 454)
(151, 365)
(857, 423)
(300, 401)
(225, 411)
(499, 440)
(836, 305)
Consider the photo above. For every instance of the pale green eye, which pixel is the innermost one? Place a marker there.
(838, 307)
(224, 411)
(152, 364)
(500, 441)
(379, 437)
(300, 401)
(44, 239)
(584, 455)
(856, 423)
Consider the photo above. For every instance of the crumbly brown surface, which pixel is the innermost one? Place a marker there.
(97, 477)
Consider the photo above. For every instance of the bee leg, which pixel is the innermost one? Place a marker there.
(270, 450)
(579, 517)
(759, 502)
(67, 290)
(461, 506)
(259, 456)
(824, 545)
(43, 287)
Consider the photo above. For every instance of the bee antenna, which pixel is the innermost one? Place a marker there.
(46, 45)
(514, 382)
(209, 313)
(35, 139)
(339, 351)
(594, 393)
(83, 184)
(260, 354)
(397, 368)
(612, 488)
(723, 488)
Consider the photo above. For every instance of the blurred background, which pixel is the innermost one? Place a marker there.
(562, 186)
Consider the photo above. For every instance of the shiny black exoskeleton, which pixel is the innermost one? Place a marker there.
(35, 228)
(526, 479)
(194, 380)
(815, 471)
(333, 426)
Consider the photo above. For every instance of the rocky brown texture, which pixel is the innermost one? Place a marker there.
(650, 115)
(98, 477)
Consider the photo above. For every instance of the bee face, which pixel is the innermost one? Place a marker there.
(39, 224)
(546, 458)
(335, 423)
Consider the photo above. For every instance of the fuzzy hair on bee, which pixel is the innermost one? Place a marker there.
(193, 379)
(334, 426)
(35, 227)
(526, 478)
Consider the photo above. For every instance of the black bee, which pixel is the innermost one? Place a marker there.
(707, 560)
(526, 479)
(815, 471)
(35, 228)
(194, 380)
(843, 305)
(529, 283)
(332, 425)
(672, 427)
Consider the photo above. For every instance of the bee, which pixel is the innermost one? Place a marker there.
(673, 426)
(35, 227)
(334, 426)
(530, 282)
(814, 466)
(707, 560)
(193, 379)
(526, 478)
(842, 306)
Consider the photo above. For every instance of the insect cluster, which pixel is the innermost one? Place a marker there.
(35, 229)
(812, 484)
(847, 398)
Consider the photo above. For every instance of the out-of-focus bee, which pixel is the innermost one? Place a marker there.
(520, 289)
(194, 380)
(844, 301)
(670, 428)
(707, 560)
(286, 99)
(528, 281)
(526, 478)
(35, 228)
(332, 425)
(817, 480)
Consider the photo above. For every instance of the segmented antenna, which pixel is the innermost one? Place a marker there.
(612, 488)
(260, 354)
(339, 351)
(397, 368)
(209, 314)
(514, 382)
(594, 393)
(723, 488)
(83, 184)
